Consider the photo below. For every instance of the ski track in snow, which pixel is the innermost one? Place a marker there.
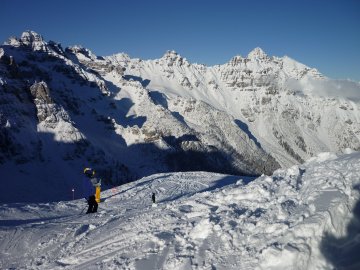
(201, 221)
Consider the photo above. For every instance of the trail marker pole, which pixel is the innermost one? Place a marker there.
(73, 193)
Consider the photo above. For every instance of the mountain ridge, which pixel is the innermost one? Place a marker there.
(68, 108)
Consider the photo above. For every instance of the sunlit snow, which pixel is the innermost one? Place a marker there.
(304, 217)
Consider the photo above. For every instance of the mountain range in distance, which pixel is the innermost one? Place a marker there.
(65, 109)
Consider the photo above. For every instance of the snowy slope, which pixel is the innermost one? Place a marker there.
(304, 217)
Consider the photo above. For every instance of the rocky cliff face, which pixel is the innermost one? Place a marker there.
(64, 109)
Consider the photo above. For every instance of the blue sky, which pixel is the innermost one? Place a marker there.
(324, 34)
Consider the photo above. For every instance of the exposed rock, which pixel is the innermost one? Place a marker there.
(41, 92)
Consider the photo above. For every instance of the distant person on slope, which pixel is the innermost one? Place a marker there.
(153, 198)
(89, 184)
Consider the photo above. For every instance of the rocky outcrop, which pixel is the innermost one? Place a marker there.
(41, 95)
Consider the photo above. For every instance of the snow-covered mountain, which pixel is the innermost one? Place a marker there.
(289, 108)
(64, 109)
(304, 217)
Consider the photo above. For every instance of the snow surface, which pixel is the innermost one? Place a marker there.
(304, 217)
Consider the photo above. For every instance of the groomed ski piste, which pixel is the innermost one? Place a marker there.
(304, 217)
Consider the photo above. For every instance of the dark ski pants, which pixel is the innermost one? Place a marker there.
(93, 205)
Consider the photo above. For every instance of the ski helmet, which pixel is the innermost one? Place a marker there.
(89, 172)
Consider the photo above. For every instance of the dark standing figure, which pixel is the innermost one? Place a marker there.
(153, 197)
(89, 190)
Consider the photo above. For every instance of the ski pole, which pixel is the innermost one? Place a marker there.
(82, 210)
(84, 207)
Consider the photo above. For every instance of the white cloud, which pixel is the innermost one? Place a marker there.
(327, 88)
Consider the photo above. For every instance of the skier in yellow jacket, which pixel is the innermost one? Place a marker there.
(89, 185)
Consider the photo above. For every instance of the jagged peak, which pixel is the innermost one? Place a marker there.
(257, 53)
(236, 60)
(78, 49)
(170, 53)
(172, 56)
(30, 36)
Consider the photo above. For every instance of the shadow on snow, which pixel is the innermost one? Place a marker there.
(244, 127)
(343, 252)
